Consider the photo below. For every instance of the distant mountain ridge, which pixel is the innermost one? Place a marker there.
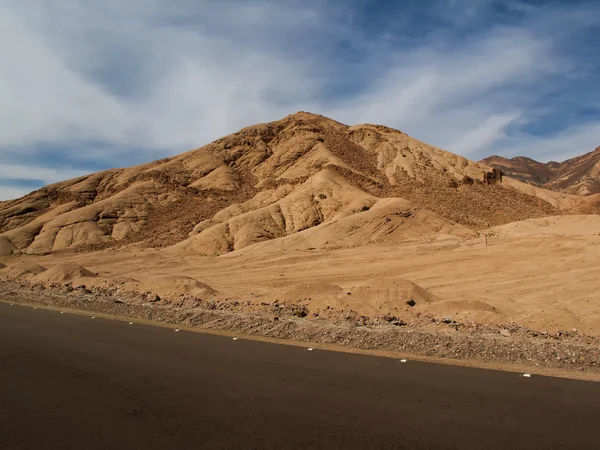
(578, 176)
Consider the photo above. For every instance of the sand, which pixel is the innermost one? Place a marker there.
(23, 270)
(6, 247)
(64, 273)
(541, 274)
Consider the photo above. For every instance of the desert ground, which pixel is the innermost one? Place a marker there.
(539, 273)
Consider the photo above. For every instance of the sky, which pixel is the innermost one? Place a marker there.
(88, 85)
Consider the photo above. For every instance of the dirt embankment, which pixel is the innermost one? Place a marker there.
(426, 336)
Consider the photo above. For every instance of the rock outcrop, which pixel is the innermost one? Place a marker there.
(578, 176)
(266, 182)
(492, 177)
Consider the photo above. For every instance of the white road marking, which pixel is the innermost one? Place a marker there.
(527, 375)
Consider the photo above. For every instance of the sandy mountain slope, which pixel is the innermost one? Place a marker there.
(365, 183)
(580, 175)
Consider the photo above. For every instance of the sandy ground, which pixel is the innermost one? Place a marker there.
(541, 274)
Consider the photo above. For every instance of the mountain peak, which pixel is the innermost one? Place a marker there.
(269, 182)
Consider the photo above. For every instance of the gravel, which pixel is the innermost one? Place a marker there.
(426, 336)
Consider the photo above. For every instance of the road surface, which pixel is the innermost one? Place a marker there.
(72, 382)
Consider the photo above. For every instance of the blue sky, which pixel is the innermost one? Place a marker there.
(89, 85)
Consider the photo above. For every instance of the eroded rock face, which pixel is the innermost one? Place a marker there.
(493, 177)
(578, 176)
(265, 182)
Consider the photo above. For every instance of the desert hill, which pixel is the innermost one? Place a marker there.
(342, 185)
(579, 176)
(309, 218)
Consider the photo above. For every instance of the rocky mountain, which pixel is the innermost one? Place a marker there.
(303, 181)
(579, 176)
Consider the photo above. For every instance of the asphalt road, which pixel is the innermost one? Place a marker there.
(71, 382)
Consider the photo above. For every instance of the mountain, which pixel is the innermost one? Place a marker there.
(341, 186)
(579, 176)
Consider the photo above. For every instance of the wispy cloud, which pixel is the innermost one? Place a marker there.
(555, 146)
(460, 97)
(47, 174)
(12, 192)
(144, 82)
(86, 85)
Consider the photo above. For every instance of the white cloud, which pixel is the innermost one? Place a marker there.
(484, 135)
(43, 100)
(193, 86)
(11, 193)
(584, 138)
(11, 174)
(451, 99)
(46, 174)
(148, 75)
